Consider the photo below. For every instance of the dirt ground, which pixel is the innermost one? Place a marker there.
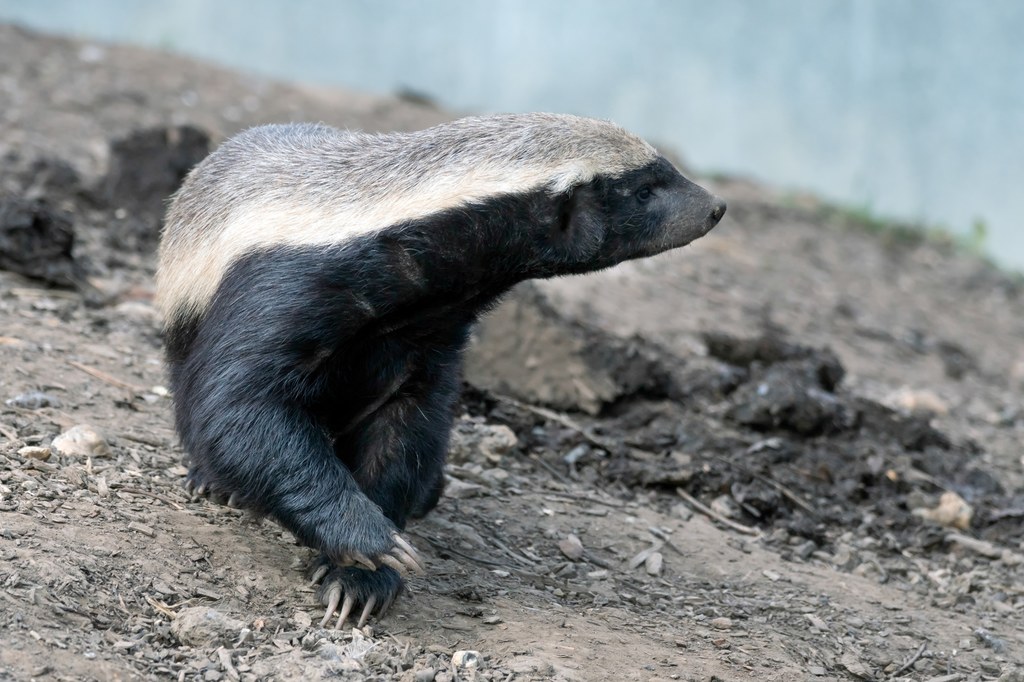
(791, 451)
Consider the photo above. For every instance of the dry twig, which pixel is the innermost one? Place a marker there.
(911, 661)
(103, 376)
(708, 511)
(146, 493)
(565, 420)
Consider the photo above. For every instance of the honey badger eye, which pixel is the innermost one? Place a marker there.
(643, 194)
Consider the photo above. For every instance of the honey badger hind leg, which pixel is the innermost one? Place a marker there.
(397, 456)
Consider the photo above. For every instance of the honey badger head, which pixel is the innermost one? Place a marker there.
(633, 214)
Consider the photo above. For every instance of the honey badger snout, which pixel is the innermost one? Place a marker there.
(690, 213)
(717, 211)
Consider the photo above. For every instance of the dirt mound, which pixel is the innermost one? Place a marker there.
(144, 169)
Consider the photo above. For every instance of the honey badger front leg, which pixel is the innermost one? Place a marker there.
(274, 458)
(245, 395)
(396, 453)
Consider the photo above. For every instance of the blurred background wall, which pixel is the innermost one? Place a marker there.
(911, 109)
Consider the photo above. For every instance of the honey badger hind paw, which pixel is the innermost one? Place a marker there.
(348, 590)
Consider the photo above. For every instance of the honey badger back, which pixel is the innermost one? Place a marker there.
(318, 288)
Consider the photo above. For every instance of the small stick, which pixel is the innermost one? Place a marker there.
(44, 293)
(146, 493)
(912, 661)
(8, 433)
(564, 420)
(479, 560)
(145, 440)
(551, 470)
(664, 537)
(708, 511)
(515, 555)
(614, 504)
(161, 607)
(786, 492)
(103, 376)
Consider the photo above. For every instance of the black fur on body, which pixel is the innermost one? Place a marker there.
(317, 384)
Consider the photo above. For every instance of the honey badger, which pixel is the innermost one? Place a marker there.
(318, 288)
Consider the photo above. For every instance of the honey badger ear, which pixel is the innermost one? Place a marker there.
(579, 229)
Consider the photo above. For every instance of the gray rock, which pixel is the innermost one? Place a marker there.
(33, 400)
(81, 441)
(571, 547)
(205, 626)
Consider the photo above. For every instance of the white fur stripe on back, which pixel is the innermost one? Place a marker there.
(310, 185)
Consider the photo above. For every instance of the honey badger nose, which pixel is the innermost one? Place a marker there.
(717, 210)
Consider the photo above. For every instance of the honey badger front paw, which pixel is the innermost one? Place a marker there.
(373, 591)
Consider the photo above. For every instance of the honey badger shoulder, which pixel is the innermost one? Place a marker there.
(318, 287)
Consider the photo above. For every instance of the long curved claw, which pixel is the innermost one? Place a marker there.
(333, 597)
(394, 563)
(404, 544)
(385, 606)
(362, 560)
(407, 554)
(346, 609)
(410, 562)
(319, 574)
(367, 610)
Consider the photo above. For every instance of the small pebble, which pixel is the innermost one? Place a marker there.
(33, 400)
(204, 626)
(816, 622)
(425, 675)
(641, 557)
(721, 623)
(571, 547)
(142, 528)
(654, 563)
(81, 441)
(805, 550)
(461, 490)
(682, 511)
(726, 506)
(465, 661)
(952, 511)
(35, 452)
